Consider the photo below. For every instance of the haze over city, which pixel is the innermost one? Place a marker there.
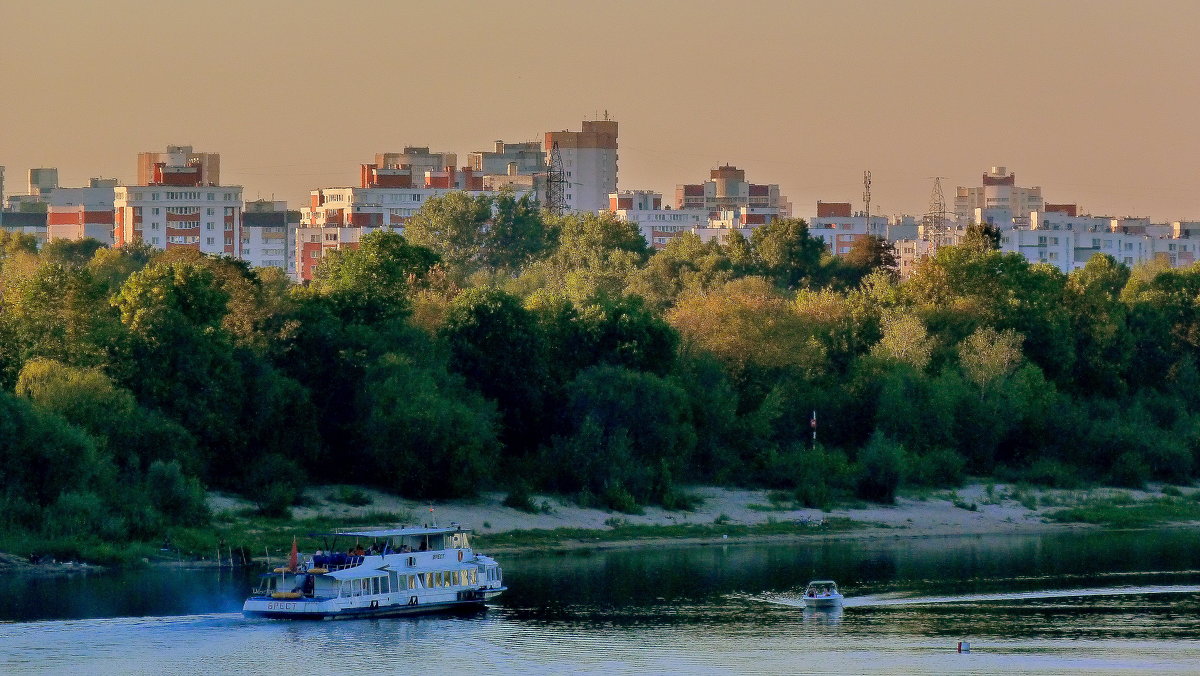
(1093, 101)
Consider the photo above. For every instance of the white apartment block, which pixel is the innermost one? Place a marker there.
(267, 238)
(727, 189)
(338, 218)
(79, 213)
(659, 226)
(589, 162)
(999, 191)
(205, 218)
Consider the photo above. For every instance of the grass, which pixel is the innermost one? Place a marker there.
(1121, 511)
(623, 531)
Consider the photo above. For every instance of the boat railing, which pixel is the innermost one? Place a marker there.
(338, 561)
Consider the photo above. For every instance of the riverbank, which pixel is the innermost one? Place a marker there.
(740, 515)
(239, 536)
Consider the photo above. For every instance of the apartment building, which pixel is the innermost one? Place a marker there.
(659, 226)
(268, 235)
(727, 190)
(79, 213)
(589, 159)
(998, 195)
(839, 226)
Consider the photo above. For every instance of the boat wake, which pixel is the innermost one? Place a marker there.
(881, 600)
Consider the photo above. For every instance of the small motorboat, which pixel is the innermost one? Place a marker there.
(822, 594)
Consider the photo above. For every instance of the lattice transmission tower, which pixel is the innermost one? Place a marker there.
(936, 224)
(556, 183)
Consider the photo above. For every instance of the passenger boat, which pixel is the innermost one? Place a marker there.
(402, 571)
(822, 594)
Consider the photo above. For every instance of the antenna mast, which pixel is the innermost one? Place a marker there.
(867, 197)
(556, 183)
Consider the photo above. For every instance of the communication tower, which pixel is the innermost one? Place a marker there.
(867, 196)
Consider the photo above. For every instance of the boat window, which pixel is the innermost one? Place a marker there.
(374, 585)
(428, 580)
(466, 541)
(473, 576)
(357, 587)
(412, 581)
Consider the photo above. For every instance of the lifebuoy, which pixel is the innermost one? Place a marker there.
(460, 555)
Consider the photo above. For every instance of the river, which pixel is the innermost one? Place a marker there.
(1057, 603)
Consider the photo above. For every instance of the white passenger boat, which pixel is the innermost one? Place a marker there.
(822, 594)
(402, 571)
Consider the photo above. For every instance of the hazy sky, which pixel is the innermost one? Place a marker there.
(1096, 102)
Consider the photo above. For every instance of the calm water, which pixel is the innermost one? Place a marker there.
(1100, 603)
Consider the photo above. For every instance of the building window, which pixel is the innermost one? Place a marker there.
(211, 211)
(210, 241)
(228, 241)
(154, 211)
(208, 226)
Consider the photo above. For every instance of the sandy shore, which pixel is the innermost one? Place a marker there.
(973, 510)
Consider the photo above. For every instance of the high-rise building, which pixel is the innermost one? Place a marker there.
(417, 159)
(510, 159)
(727, 190)
(268, 234)
(43, 181)
(999, 198)
(179, 165)
(78, 213)
(589, 164)
(178, 207)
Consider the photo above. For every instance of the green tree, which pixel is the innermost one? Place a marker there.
(515, 235)
(370, 284)
(498, 346)
(430, 437)
(629, 433)
(785, 252)
(454, 226)
(686, 264)
(71, 252)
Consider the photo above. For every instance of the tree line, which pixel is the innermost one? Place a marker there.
(497, 347)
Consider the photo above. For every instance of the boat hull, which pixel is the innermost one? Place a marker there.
(304, 609)
(823, 601)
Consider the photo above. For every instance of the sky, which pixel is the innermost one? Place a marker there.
(1094, 101)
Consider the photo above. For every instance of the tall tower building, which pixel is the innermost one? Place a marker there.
(43, 181)
(193, 168)
(589, 159)
(999, 196)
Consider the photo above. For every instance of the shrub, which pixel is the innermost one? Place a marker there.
(616, 497)
(1129, 470)
(939, 468)
(177, 497)
(880, 469)
(520, 499)
(348, 495)
(1050, 473)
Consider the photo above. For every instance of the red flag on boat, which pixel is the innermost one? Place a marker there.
(294, 557)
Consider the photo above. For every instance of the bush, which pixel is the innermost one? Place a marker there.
(880, 469)
(939, 468)
(179, 498)
(1129, 470)
(348, 495)
(820, 475)
(1050, 473)
(617, 498)
(520, 499)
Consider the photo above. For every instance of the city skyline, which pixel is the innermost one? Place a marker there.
(1087, 100)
